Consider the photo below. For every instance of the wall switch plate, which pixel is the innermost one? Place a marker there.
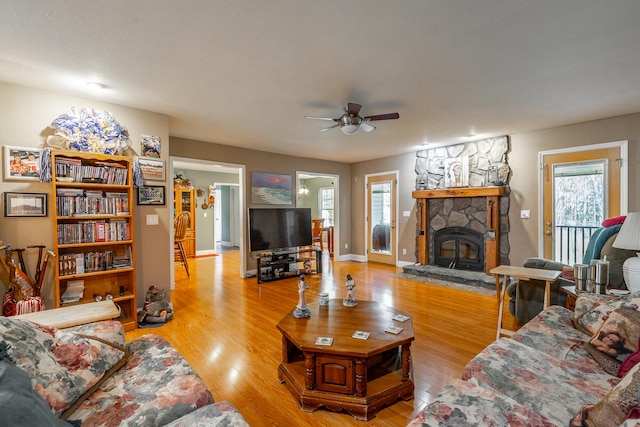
(406, 214)
(404, 251)
(204, 214)
(152, 219)
(525, 214)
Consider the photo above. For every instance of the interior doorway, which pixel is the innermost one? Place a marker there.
(381, 217)
(319, 192)
(205, 174)
(227, 215)
(580, 187)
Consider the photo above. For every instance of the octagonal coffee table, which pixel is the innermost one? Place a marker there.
(360, 376)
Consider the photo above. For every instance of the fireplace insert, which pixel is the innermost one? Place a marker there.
(459, 248)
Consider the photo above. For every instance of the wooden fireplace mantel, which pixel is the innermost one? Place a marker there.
(492, 237)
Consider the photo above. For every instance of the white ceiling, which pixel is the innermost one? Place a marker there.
(246, 72)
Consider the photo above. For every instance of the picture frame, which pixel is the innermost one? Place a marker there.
(271, 189)
(21, 163)
(150, 146)
(152, 195)
(25, 204)
(456, 172)
(152, 169)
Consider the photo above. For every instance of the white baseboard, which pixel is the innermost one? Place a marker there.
(206, 252)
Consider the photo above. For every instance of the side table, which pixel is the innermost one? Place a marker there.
(524, 273)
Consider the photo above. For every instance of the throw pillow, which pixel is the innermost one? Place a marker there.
(620, 403)
(616, 339)
(62, 366)
(613, 221)
(591, 320)
(20, 405)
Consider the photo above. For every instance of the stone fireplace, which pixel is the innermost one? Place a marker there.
(463, 228)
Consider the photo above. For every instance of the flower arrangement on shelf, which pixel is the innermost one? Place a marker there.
(181, 181)
(89, 130)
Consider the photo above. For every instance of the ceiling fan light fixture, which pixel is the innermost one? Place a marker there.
(350, 129)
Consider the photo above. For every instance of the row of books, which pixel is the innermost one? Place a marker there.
(88, 262)
(71, 201)
(104, 172)
(112, 230)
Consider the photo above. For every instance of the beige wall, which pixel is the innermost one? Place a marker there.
(523, 159)
(260, 161)
(25, 116)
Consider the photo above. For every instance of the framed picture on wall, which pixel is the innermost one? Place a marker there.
(22, 163)
(456, 172)
(152, 169)
(270, 189)
(25, 204)
(151, 195)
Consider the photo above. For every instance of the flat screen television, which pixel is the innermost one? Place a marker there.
(279, 228)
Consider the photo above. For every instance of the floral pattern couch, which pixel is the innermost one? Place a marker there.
(88, 376)
(554, 371)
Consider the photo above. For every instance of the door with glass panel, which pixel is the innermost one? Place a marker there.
(381, 218)
(580, 190)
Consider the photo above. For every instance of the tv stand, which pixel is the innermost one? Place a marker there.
(288, 262)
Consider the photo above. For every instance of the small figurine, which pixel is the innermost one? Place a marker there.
(301, 311)
(350, 300)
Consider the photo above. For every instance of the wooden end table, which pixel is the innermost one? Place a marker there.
(355, 375)
(523, 273)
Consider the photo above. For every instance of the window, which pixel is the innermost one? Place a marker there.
(326, 204)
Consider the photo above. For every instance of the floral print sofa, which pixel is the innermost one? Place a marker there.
(88, 376)
(554, 371)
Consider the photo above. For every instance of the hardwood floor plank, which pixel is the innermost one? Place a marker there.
(224, 326)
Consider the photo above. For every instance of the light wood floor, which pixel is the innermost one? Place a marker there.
(224, 326)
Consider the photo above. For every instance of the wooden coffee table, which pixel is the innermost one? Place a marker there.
(355, 375)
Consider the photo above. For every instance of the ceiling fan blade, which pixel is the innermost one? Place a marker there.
(388, 116)
(367, 127)
(320, 118)
(330, 127)
(353, 109)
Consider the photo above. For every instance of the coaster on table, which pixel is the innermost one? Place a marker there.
(361, 335)
(393, 329)
(324, 341)
(401, 317)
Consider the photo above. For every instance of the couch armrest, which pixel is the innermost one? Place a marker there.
(219, 413)
(544, 264)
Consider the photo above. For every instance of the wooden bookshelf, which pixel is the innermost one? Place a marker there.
(93, 226)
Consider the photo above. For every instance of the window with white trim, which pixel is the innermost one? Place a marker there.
(326, 204)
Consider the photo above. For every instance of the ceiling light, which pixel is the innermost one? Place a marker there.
(350, 129)
(96, 85)
(303, 190)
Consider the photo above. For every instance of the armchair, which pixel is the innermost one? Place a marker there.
(526, 298)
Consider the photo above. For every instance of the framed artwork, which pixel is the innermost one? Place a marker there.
(270, 189)
(456, 172)
(151, 195)
(150, 146)
(21, 163)
(25, 204)
(152, 169)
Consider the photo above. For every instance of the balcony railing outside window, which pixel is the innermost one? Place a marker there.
(571, 243)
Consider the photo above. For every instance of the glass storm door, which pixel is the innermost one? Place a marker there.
(381, 218)
(580, 190)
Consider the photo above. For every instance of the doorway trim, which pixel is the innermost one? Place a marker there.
(624, 179)
(241, 170)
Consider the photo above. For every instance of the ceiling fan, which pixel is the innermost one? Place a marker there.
(351, 122)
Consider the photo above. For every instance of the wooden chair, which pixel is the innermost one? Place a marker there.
(180, 224)
(316, 231)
